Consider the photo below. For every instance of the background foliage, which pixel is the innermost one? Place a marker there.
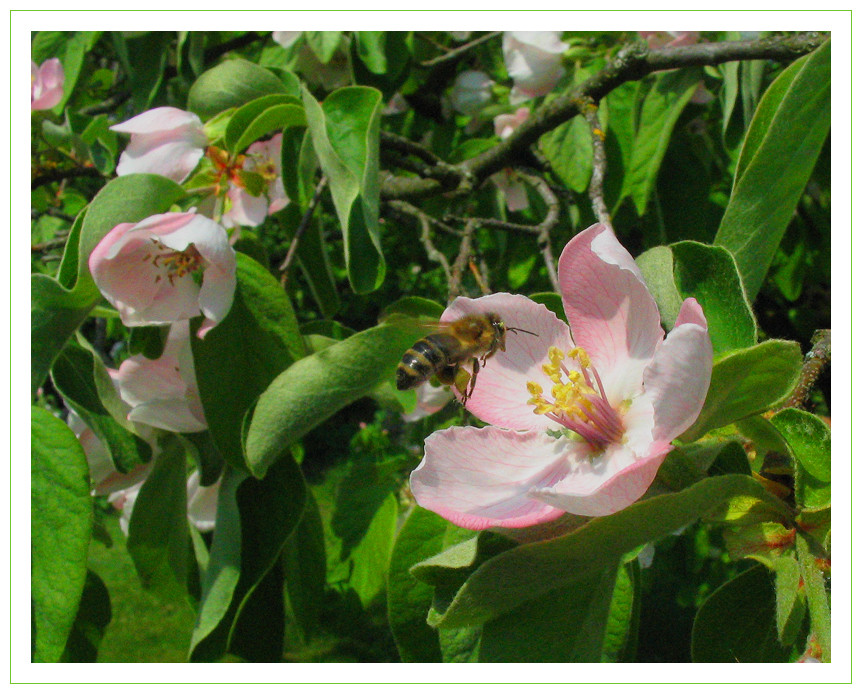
(318, 552)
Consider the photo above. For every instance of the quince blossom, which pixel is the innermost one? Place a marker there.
(513, 189)
(286, 38)
(165, 140)
(533, 61)
(163, 392)
(582, 414)
(429, 399)
(165, 268)
(264, 159)
(46, 84)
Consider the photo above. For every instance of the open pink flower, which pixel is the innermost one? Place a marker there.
(46, 84)
(165, 140)
(165, 268)
(582, 419)
(163, 392)
(533, 61)
(264, 159)
(286, 38)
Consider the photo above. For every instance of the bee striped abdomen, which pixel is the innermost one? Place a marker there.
(424, 359)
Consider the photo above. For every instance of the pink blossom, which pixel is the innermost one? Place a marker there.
(471, 91)
(505, 124)
(46, 84)
(264, 159)
(163, 392)
(165, 140)
(429, 399)
(513, 189)
(104, 477)
(165, 268)
(581, 420)
(669, 39)
(533, 61)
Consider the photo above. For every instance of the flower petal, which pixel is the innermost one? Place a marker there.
(678, 378)
(610, 310)
(604, 487)
(479, 478)
(500, 396)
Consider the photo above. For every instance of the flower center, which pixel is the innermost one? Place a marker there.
(579, 402)
(175, 263)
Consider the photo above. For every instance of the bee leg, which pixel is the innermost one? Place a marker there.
(469, 391)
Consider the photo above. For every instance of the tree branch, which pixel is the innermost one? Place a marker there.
(455, 53)
(632, 63)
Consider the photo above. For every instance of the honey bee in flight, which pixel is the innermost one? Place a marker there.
(473, 338)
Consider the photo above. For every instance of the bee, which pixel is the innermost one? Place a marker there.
(443, 353)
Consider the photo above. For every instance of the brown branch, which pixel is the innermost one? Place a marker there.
(455, 53)
(597, 180)
(461, 260)
(815, 361)
(300, 230)
(552, 216)
(425, 223)
(632, 63)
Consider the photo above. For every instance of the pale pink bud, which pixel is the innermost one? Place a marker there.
(46, 84)
(533, 61)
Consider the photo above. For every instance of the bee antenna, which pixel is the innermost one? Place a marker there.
(521, 330)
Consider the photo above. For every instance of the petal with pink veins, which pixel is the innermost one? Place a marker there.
(479, 478)
(607, 485)
(610, 310)
(500, 396)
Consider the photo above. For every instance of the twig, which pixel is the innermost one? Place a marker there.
(461, 260)
(425, 222)
(109, 104)
(597, 180)
(815, 361)
(455, 53)
(552, 216)
(300, 230)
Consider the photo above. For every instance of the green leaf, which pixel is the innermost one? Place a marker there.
(746, 382)
(407, 599)
(552, 301)
(621, 633)
(323, 43)
(147, 57)
(254, 520)
(231, 84)
(569, 149)
(661, 109)
(158, 530)
(298, 166)
(778, 156)
(529, 571)
(55, 313)
(94, 615)
(381, 59)
(74, 377)
(816, 594)
(345, 131)
(313, 259)
(61, 516)
(316, 387)
(736, 624)
(789, 599)
(709, 274)
(810, 441)
(768, 542)
(415, 306)
(304, 568)
(563, 625)
(240, 357)
(260, 117)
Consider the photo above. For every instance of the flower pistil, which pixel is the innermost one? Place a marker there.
(175, 263)
(579, 402)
